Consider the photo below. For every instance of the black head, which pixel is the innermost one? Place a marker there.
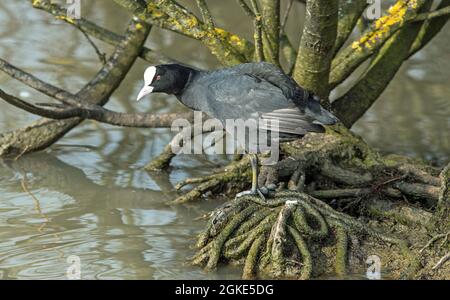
(169, 79)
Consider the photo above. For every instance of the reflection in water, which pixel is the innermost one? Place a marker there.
(118, 232)
(88, 195)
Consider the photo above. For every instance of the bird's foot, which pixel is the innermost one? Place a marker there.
(255, 192)
(261, 192)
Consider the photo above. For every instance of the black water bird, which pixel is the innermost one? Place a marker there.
(245, 91)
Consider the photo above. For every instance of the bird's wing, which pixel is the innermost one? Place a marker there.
(244, 96)
(273, 74)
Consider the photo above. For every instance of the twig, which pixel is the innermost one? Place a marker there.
(257, 23)
(21, 153)
(206, 14)
(431, 15)
(259, 50)
(99, 32)
(442, 261)
(285, 16)
(246, 9)
(434, 239)
(101, 56)
(35, 83)
(37, 204)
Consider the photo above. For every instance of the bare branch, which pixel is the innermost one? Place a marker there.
(246, 9)
(98, 32)
(35, 83)
(430, 28)
(101, 56)
(91, 111)
(43, 133)
(257, 25)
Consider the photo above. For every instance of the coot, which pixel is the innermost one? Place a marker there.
(246, 91)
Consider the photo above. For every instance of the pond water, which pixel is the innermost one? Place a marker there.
(88, 195)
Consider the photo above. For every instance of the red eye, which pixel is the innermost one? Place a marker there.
(158, 77)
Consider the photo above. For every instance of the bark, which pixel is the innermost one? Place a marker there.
(271, 23)
(312, 68)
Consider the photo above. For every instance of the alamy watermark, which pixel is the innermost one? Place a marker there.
(73, 8)
(73, 272)
(374, 267)
(373, 10)
(250, 135)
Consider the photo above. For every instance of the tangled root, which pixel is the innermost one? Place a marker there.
(275, 237)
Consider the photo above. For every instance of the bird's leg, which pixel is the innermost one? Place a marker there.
(254, 164)
(255, 190)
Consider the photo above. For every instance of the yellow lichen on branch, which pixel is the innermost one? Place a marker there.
(227, 47)
(65, 18)
(396, 17)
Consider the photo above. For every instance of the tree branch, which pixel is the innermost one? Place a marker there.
(316, 47)
(372, 40)
(430, 28)
(258, 25)
(350, 107)
(43, 133)
(272, 26)
(349, 14)
(98, 32)
(228, 48)
(431, 15)
(91, 111)
(36, 83)
(206, 14)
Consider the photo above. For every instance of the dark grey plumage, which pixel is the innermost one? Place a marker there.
(252, 91)
(247, 91)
